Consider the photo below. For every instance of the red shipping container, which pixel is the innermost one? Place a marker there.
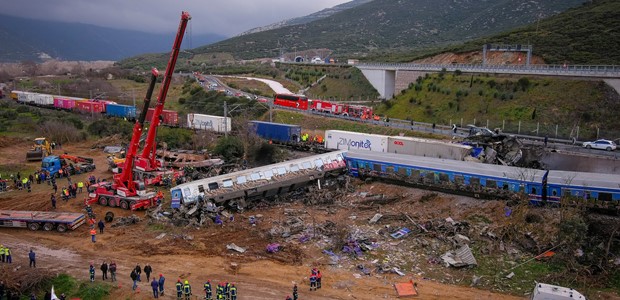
(90, 107)
(170, 117)
(64, 103)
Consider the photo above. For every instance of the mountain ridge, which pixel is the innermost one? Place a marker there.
(308, 18)
(24, 39)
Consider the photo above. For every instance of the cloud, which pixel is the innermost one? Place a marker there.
(225, 17)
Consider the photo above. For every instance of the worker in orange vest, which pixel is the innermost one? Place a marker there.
(93, 233)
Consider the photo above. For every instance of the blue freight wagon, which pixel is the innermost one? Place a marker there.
(121, 111)
(276, 132)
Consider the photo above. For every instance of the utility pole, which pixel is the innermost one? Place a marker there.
(225, 120)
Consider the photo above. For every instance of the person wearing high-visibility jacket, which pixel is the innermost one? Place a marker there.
(2, 253)
(233, 292)
(179, 289)
(93, 234)
(187, 290)
(208, 290)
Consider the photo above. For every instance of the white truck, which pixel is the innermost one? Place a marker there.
(209, 123)
(544, 291)
(347, 140)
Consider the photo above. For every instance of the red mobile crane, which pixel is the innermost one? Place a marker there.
(147, 162)
(126, 192)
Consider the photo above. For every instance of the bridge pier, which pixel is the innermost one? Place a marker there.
(382, 80)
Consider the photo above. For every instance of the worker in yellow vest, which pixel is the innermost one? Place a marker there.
(2, 253)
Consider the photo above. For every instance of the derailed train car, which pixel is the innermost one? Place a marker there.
(488, 181)
(234, 189)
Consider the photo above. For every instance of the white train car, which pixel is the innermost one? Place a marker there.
(209, 122)
(348, 140)
(43, 100)
(258, 182)
(22, 97)
(427, 147)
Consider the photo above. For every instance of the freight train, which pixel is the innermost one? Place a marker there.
(488, 181)
(104, 107)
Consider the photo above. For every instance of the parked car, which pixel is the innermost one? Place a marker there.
(601, 144)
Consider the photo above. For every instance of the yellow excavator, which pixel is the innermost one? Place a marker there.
(39, 150)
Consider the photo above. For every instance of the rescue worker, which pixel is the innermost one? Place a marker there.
(162, 280)
(319, 139)
(101, 226)
(53, 198)
(7, 253)
(2, 253)
(227, 291)
(318, 279)
(313, 282)
(104, 270)
(80, 185)
(295, 294)
(155, 286)
(233, 292)
(93, 234)
(208, 290)
(147, 271)
(179, 286)
(187, 290)
(134, 278)
(91, 271)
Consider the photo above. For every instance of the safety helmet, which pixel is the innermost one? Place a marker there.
(179, 280)
(160, 275)
(209, 281)
(186, 282)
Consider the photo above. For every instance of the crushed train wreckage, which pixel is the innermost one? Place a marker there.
(235, 189)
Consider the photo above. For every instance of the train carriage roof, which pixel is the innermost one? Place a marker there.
(577, 179)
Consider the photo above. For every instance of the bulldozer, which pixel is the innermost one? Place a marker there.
(39, 150)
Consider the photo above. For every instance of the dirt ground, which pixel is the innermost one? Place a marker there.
(198, 254)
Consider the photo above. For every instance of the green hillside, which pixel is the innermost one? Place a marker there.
(589, 34)
(506, 101)
(387, 26)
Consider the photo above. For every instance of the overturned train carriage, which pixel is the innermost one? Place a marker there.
(267, 181)
(489, 181)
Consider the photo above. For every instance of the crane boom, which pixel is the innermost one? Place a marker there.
(125, 191)
(125, 179)
(148, 158)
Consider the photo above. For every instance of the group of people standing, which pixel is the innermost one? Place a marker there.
(157, 284)
(105, 268)
(223, 291)
(5, 255)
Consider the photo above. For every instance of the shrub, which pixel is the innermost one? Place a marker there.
(230, 148)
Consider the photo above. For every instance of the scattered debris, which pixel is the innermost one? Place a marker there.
(161, 236)
(273, 248)
(401, 233)
(406, 289)
(364, 270)
(475, 280)
(124, 221)
(545, 255)
(460, 258)
(234, 247)
(398, 271)
(509, 276)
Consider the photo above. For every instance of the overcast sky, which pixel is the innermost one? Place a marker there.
(225, 17)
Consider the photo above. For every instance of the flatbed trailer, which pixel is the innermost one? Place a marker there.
(35, 220)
